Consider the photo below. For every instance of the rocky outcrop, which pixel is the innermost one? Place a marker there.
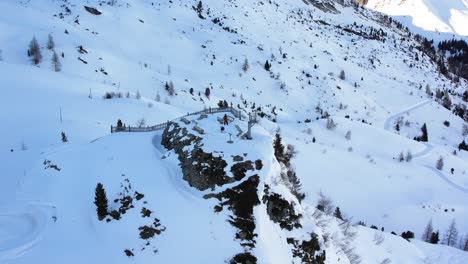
(280, 210)
(200, 169)
(92, 10)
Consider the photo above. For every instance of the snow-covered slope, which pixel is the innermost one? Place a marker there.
(135, 47)
(448, 17)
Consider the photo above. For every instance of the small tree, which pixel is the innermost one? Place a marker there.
(267, 66)
(64, 137)
(465, 245)
(56, 62)
(278, 147)
(191, 91)
(401, 157)
(451, 235)
(342, 75)
(138, 95)
(171, 89)
(245, 66)
(141, 122)
(331, 124)
(337, 213)
(325, 204)
(447, 102)
(428, 231)
(465, 130)
(428, 91)
(157, 98)
(440, 163)
(35, 51)
(50, 42)
(434, 238)
(348, 135)
(100, 200)
(207, 92)
(409, 156)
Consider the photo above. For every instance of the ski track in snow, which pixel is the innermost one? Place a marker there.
(429, 147)
(21, 226)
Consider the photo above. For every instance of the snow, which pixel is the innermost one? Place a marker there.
(48, 216)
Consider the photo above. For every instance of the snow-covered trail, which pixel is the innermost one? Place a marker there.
(428, 147)
(447, 180)
(389, 120)
(21, 226)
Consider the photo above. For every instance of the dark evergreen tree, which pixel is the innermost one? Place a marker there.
(337, 213)
(463, 146)
(64, 137)
(267, 66)
(119, 123)
(35, 51)
(434, 238)
(207, 92)
(278, 147)
(407, 235)
(424, 136)
(100, 200)
(428, 231)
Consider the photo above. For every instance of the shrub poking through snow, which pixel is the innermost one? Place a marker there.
(440, 163)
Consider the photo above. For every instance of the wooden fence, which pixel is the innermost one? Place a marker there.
(161, 126)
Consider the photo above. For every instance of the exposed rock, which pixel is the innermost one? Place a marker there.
(239, 169)
(307, 250)
(93, 10)
(200, 169)
(129, 253)
(258, 164)
(237, 158)
(281, 211)
(244, 258)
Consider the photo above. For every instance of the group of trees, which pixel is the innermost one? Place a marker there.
(450, 238)
(284, 156)
(34, 52)
(424, 136)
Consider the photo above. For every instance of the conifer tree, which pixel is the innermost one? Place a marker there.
(428, 231)
(64, 137)
(56, 62)
(267, 66)
(50, 42)
(434, 237)
(35, 51)
(245, 66)
(451, 235)
(278, 147)
(207, 92)
(337, 213)
(100, 200)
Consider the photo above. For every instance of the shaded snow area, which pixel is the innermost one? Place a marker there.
(355, 143)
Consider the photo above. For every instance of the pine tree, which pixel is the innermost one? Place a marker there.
(342, 75)
(207, 92)
(100, 200)
(171, 89)
(64, 137)
(267, 66)
(409, 156)
(50, 42)
(337, 213)
(401, 157)
(428, 231)
(465, 245)
(428, 91)
(35, 51)
(245, 66)
(451, 235)
(440, 163)
(56, 63)
(447, 103)
(434, 237)
(278, 147)
(348, 135)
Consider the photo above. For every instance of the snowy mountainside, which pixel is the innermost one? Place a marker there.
(348, 90)
(445, 19)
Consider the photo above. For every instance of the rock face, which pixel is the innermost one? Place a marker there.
(93, 10)
(200, 169)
